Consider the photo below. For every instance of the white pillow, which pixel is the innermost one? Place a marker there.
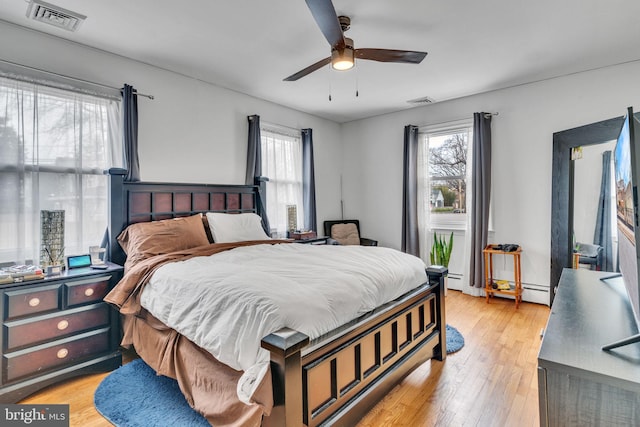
(235, 227)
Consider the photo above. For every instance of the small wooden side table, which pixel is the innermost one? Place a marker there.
(516, 289)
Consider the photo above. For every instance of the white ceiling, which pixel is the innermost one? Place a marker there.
(251, 45)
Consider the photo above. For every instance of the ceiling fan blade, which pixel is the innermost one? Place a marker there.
(310, 69)
(391, 55)
(327, 19)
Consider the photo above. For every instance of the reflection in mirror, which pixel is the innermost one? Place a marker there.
(562, 179)
(591, 252)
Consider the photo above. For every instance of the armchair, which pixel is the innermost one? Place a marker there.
(587, 253)
(346, 232)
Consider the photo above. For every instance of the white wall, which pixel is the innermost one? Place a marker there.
(193, 131)
(522, 157)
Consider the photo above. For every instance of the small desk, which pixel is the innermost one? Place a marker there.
(516, 291)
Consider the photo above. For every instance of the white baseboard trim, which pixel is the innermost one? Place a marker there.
(454, 281)
(538, 294)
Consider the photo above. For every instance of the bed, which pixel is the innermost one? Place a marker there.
(332, 379)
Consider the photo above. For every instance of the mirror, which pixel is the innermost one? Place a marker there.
(562, 189)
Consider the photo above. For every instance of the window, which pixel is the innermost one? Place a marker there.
(445, 150)
(54, 147)
(282, 164)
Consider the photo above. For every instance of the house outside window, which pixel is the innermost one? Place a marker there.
(445, 150)
(54, 147)
(282, 164)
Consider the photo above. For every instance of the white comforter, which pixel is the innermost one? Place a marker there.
(227, 302)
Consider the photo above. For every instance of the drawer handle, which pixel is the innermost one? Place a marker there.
(62, 353)
(62, 325)
(34, 302)
(88, 292)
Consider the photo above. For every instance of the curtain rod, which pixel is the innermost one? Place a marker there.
(71, 78)
(445, 126)
(490, 114)
(281, 129)
(487, 114)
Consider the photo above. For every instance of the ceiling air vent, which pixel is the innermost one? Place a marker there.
(421, 101)
(54, 15)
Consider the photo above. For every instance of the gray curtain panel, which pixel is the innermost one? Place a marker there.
(308, 181)
(254, 168)
(410, 232)
(254, 151)
(480, 196)
(603, 233)
(130, 128)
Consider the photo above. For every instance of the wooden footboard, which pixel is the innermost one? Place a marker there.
(337, 378)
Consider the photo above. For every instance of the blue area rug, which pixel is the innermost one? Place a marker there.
(455, 340)
(134, 396)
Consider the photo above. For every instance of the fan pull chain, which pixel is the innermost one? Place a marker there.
(357, 82)
(329, 88)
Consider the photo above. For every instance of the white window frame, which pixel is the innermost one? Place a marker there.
(285, 183)
(437, 221)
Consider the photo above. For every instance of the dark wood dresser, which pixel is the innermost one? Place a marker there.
(57, 328)
(579, 384)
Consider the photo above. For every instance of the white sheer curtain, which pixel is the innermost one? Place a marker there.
(424, 208)
(54, 146)
(282, 164)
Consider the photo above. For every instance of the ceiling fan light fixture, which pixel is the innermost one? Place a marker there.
(343, 59)
(341, 62)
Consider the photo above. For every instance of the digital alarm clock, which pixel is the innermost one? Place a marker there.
(78, 261)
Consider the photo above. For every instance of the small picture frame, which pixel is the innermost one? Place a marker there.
(53, 270)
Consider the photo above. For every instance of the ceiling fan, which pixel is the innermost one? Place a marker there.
(343, 53)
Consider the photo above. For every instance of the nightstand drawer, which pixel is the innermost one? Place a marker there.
(31, 301)
(35, 330)
(38, 359)
(87, 291)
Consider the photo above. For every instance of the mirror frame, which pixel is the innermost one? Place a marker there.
(562, 178)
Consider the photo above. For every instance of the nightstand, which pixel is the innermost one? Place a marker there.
(57, 328)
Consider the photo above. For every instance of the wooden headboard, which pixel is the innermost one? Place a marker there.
(133, 202)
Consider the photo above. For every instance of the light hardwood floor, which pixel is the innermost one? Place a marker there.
(492, 381)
